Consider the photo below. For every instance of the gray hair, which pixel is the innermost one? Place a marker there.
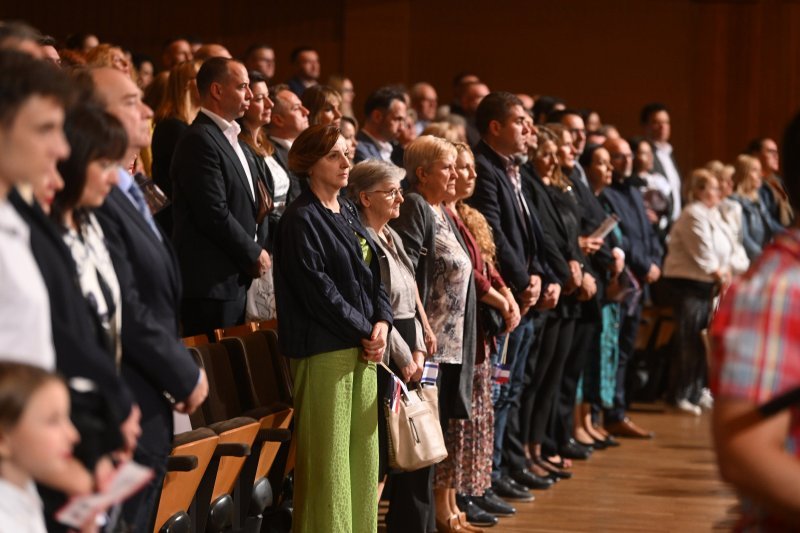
(369, 173)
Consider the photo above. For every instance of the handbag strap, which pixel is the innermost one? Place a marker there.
(400, 381)
(505, 349)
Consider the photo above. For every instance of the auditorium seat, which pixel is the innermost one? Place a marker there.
(191, 453)
(196, 340)
(255, 361)
(225, 402)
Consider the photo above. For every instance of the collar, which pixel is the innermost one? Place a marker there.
(663, 147)
(125, 179)
(508, 161)
(223, 124)
(286, 143)
(383, 145)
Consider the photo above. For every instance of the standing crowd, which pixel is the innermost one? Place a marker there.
(502, 247)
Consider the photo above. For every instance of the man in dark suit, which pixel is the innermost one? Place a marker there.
(289, 120)
(154, 362)
(521, 255)
(384, 116)
(306, 69)
(657, 128)
(643, 256)
(219, 232)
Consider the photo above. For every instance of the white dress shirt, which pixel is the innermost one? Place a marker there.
(26, 333)
(231, 132)
(664, 155)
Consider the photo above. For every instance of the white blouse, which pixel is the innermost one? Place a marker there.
(21, 510)
(701, 243)
(26, 333)
(93, 261)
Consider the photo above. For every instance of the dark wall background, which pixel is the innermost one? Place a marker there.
(729, 70)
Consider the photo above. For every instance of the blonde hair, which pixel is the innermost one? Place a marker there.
(422, 152)
(554, 133)
(178, 101)
(443, 130)
(743, 185)
(698, 181)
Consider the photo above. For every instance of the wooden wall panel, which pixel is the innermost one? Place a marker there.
(729, 70)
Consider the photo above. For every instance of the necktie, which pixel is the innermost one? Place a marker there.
(141, 206)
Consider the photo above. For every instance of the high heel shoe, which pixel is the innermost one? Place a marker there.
(451, 524)
(465, 525)
(552, 469)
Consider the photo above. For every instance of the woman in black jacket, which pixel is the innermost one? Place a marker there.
(334, 322)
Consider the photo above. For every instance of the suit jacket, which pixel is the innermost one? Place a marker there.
(165, 138)
(79, 352)
(154, 361)
(216, 237)
(560, 247)
(640, 242)
(327, 296)
(296, 184)
(519, 239)
(367, 148)
(296, 85)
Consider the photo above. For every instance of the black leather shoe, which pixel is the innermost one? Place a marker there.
(507, 491)
(531, 480)
(574, 450)
(475, 514)
(515, 484)
(555, 472)
(492, 503)
(611, 442)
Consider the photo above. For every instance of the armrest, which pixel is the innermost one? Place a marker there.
(232, 449)
(181, 463)
(274, 435)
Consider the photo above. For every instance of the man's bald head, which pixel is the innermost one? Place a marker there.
(621, 157)
(210, 50)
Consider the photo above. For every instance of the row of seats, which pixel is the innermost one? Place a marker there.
(230, 469)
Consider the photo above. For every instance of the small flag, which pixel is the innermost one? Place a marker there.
(394, 402)
(430, 373)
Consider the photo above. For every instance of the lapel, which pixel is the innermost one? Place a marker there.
(120, 201)
(226, 148)
(281, 155)
(369, 144)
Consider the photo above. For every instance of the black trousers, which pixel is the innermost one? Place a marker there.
(689, 368)
(583, 347)
(555, 348)
(411, 508)
(203, 315)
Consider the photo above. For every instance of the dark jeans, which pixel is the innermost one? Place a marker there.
(507, 396)
(203, 315)
(628, 330)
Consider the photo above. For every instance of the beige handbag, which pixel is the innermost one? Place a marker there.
(413, 428)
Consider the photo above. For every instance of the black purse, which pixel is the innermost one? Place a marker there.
(491, 320)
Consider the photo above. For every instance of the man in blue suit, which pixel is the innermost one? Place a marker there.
(643, 254)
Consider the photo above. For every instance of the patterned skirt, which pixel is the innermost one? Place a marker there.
(468, 466)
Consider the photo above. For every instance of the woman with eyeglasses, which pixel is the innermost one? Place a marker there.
(375, 188)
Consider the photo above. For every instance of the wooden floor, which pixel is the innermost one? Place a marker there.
(668, 484)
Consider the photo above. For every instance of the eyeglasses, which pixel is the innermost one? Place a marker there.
(391, 194)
